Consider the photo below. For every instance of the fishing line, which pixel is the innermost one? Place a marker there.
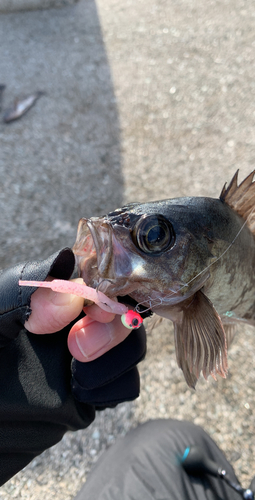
(201, 272)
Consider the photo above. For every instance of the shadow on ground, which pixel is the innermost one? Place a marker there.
(61, 161)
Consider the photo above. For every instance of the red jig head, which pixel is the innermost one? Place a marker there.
(132, 319)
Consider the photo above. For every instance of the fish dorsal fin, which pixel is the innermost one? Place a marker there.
(200, 341)
(241, 198)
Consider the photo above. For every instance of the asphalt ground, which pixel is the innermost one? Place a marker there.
(7, 6)
(143, 100)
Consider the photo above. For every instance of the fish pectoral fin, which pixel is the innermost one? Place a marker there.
(200, 341)
(230, 331)
(182, 362)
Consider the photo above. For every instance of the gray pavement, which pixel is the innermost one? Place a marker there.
(19, 5)
(60, 161)
(144, 100)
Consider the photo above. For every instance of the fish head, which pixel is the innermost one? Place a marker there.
(157, 253)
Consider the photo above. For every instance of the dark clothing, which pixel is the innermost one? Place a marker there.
(145, 465)
(43, 391)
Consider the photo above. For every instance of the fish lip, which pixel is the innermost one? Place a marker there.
(103, 259)
(103, 275)
(92, 250)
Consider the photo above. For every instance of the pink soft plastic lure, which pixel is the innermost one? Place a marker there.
(129, 318)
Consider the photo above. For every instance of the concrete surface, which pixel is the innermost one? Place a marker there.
(145, 99)
(19, 5)
(61, 161)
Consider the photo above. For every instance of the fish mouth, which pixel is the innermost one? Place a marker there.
(104, 258)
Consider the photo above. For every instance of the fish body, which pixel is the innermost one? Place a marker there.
(21, 106)
(191, 260)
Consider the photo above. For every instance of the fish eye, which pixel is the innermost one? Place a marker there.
(153, 233)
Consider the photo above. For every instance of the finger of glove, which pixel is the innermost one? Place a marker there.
(124, 388)
(112, 364)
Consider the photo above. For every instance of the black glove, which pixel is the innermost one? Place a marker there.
(43, 392)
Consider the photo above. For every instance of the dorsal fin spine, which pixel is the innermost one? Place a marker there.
(241, 198)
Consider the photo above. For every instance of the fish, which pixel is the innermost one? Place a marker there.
(190, 260)
(21, 106)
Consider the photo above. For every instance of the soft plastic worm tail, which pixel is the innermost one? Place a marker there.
(64, 286)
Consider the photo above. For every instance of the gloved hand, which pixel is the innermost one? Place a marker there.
(43, 392)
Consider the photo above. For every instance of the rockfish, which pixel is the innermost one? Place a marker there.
(191, 260)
